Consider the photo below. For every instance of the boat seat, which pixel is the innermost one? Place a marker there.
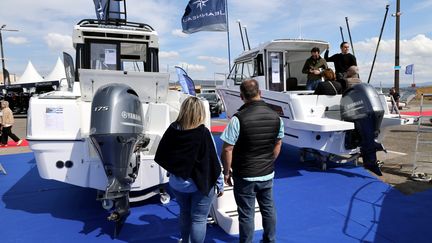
(320, 125)
(331, 104)
(291, 83)
(155, 121)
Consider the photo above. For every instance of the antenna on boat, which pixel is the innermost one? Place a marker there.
(246, 36)
(343, 39)
(241, 34)
(379, 40)
(349, 34)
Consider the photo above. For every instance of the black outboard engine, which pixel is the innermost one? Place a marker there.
(361, 105)
(116, 131)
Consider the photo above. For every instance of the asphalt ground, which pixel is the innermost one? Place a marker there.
(397, 167)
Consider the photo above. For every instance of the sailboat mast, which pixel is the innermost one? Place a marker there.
(379, 40)
(349, 34)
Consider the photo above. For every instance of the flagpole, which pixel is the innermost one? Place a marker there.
(413, 75)
(228, 37)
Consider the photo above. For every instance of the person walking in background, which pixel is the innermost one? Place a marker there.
(396, 97)
(187, 151)
(252, 142)
(313, 68)
(342, 61)
(7, 121)
(330, 86)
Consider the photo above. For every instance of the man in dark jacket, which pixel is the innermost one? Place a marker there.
(342, 61)
(252, 142)
(313, 67)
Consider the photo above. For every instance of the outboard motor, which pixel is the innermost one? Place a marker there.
(116, 131)
(361, 105)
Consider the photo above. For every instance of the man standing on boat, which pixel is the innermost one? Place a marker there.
(313, 67)
(342, 61)
(252, 142)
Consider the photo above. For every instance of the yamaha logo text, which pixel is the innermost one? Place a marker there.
(128, 115)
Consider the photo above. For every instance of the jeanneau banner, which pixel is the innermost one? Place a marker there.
(102, 11)
(6, 77)
(204, 15)
(185, 81)
(69, 69)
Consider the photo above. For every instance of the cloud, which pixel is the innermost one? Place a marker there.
(17, 40)
(412, 51)
(192, 67)
(214, 60)
(59, 42)
(179, 33)
(160, 14)
(169, 54)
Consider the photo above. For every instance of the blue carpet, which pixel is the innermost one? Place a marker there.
(342, 204)
(220, 116)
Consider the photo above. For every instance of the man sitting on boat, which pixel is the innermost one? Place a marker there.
(330, 86)
(313, 67)
(351, 78)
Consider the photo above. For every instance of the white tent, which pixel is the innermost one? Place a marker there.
(57, 73)
(30, 75)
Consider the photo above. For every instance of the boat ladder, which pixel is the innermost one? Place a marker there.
(422, 163)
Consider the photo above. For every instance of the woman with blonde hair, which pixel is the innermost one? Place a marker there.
(7, 120)
(187, 151)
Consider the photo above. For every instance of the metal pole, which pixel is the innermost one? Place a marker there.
(413, 76)
(241, 34)
(379, 40)
(349, 34)
(397, 38)
(247, 37)
(2, 57)
(2, 28)
(343, 39)
(228, 36)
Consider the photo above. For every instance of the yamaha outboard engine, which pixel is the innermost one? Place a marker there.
(116, 130)
(361, 105)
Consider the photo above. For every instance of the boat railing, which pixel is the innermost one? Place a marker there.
(114, 24)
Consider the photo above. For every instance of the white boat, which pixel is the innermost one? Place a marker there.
(58, 126)
(312, 122)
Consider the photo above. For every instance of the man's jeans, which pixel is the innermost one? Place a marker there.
(245, 193)
(312, 84)
(194, 210)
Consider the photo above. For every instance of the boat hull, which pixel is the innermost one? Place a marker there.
(312, 122)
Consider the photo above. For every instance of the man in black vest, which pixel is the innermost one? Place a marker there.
(252, 142)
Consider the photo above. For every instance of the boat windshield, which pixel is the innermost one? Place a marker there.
(114, 56)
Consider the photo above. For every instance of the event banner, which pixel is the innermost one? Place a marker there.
(204, 15)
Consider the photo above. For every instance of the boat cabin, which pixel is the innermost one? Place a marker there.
(125, 46)
(276, 65)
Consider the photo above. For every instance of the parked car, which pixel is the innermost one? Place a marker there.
(214, 102)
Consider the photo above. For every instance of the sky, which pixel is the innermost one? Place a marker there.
(45, 30)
